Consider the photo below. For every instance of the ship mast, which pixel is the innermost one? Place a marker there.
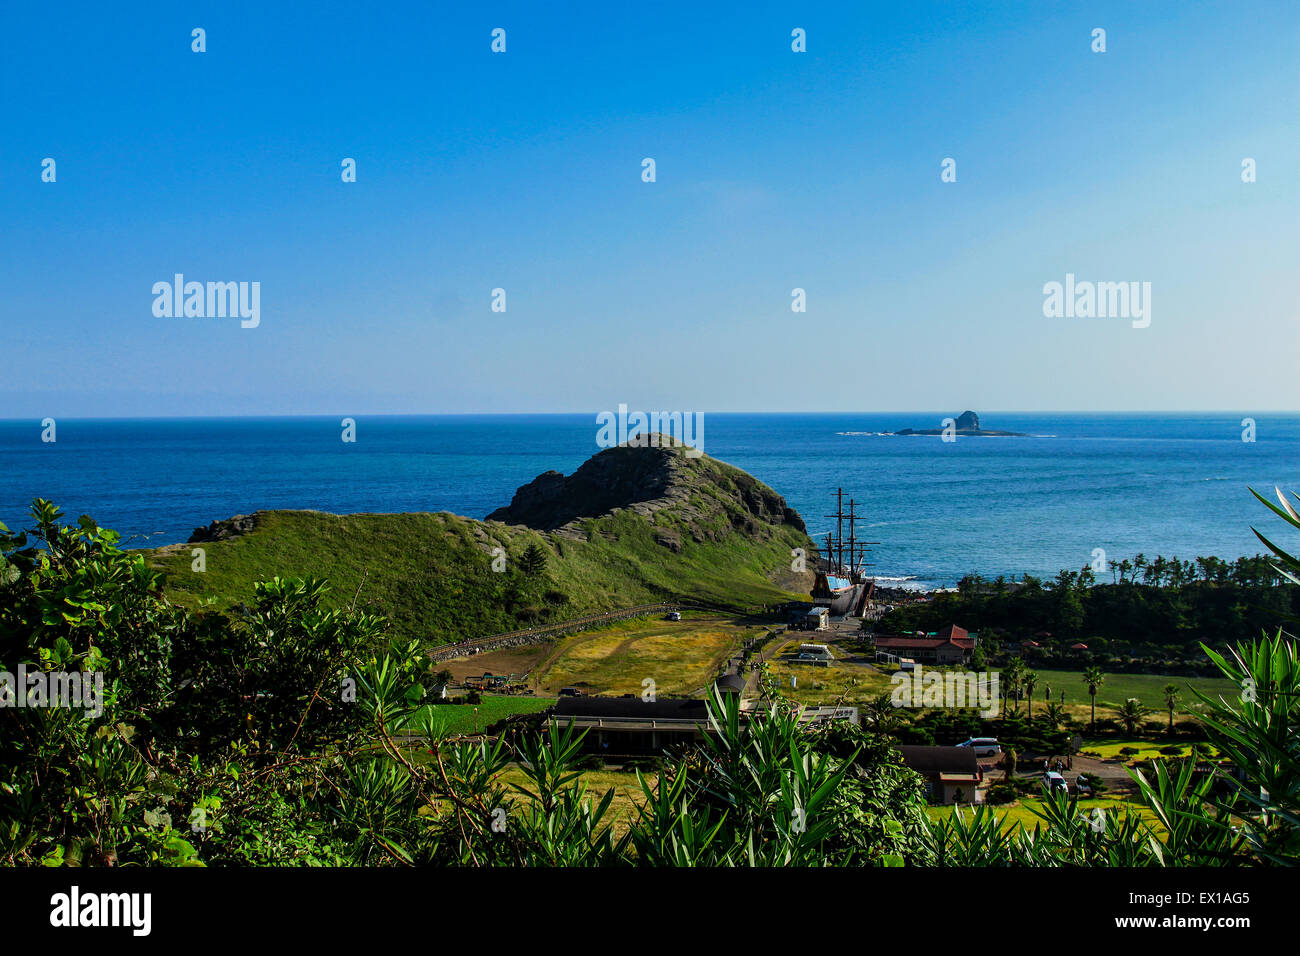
(835, 548)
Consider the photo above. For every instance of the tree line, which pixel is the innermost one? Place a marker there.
(1150, 607)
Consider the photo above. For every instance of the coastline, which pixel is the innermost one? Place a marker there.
(1173, 484)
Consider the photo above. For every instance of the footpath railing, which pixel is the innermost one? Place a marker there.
(538, 635)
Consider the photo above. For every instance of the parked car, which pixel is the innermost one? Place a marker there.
(569, 692)
(674, 616)
(984, 746)
(1082, 786)
(1054, 781)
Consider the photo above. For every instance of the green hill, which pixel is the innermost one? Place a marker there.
(631, 526)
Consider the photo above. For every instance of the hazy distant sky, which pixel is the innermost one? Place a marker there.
(522, 170)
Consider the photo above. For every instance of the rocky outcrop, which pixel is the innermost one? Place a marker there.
(221, 530)
(966, 424)
(648, 481)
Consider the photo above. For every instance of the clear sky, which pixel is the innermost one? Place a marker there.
(523, 171)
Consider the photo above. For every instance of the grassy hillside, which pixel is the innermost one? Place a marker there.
(431, 574)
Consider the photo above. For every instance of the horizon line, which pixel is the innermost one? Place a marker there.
(916, 411)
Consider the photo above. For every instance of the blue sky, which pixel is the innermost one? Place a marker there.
(522, 171)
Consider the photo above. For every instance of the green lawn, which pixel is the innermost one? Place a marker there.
(469, 718)
(1117, 688)
(1146, 749)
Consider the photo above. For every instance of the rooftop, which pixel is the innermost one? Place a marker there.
(941, 760)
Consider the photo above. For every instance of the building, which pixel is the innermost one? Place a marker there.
(952, 645)
(952, 774)
(816, 716)
(621, 727)
(731, 684)
(488, 681)
(630, 726)
(814, 619)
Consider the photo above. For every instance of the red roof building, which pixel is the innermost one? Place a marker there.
(952, 645)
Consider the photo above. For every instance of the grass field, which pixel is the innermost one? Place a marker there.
(470, 718)
(1117, 688)
(681, 657)
(856, 683)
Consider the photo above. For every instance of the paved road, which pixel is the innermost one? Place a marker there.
(1114, 775)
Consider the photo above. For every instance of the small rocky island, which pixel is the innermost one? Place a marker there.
(967, 423)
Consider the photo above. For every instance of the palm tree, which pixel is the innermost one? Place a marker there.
(1054, 715)
(1030, 681)
(1171, 698)
(1131, 713)
(882, 713)
(1094, 678)
(1011, 680)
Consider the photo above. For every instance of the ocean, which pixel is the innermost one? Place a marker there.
(1171, 484)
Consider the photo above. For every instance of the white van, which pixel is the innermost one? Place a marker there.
(983, 746)
(815, 652)
(1054, 781)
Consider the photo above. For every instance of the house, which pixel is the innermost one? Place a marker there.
(952, 774)
(816, 619)
(952, 645)
(630, 726)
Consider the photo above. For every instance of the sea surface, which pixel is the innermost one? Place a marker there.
(1166, 484)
